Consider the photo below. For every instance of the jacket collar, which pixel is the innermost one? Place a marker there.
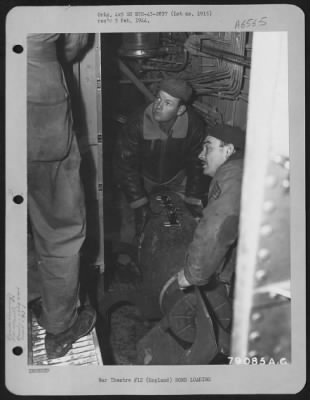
(239, 154)
(152, 130)
(236, 161)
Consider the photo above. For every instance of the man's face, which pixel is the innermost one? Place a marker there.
(213, 155)
(166, 107)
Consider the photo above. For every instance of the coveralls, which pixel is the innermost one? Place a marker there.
(146, 156)
(55, 196)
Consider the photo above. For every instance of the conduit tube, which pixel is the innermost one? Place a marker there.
(130, 75)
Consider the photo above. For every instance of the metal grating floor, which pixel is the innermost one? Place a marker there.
(85, 351)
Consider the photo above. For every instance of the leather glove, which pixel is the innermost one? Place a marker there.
(142, 215)
(194, 209)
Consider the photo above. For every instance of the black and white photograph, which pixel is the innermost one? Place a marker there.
(160, 206)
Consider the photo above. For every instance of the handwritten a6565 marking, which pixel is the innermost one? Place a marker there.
(250, 23)
(256, 361)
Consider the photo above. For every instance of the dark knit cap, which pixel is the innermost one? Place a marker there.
(177, 88)
(228, 134)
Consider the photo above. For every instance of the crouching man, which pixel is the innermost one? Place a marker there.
(211, 257)
(159, 148)
(212, 253)
(197, 319)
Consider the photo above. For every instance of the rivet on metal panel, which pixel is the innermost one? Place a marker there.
(286, 184)
(266, 230)
(269, 206)
(260, 274)
(278, 159)
(257, 316)
(263, 254)
(271, 181)
(254, 336)
(287, 164)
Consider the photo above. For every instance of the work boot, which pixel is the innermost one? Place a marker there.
(36, 307)
(58, 345)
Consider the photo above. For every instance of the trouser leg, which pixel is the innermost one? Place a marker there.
(57, 215)
(127, 230)
(33, 277)
(59, 286)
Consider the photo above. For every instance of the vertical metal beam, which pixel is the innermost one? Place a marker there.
(88, 77)
(100, 257)
(262, 292)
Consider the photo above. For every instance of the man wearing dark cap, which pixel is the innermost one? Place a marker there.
(212, 252)
(197, 321)
(160, 146)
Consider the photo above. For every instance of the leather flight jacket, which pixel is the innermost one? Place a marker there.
(144, 150)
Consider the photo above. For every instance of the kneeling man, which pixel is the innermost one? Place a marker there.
(212, 253)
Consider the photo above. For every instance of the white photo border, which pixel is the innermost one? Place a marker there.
(20, 377)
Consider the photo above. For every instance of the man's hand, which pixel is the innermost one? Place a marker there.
(182, 281)
(142, 214)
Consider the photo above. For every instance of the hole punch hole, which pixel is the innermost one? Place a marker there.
(18, 49)
(17, 350)
(18, 199)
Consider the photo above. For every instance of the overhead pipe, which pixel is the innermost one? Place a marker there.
(227, 56)
(207, 51)
(179, 68)
(130, 75)
(127, 81)
(227, 90)
(209, 78)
